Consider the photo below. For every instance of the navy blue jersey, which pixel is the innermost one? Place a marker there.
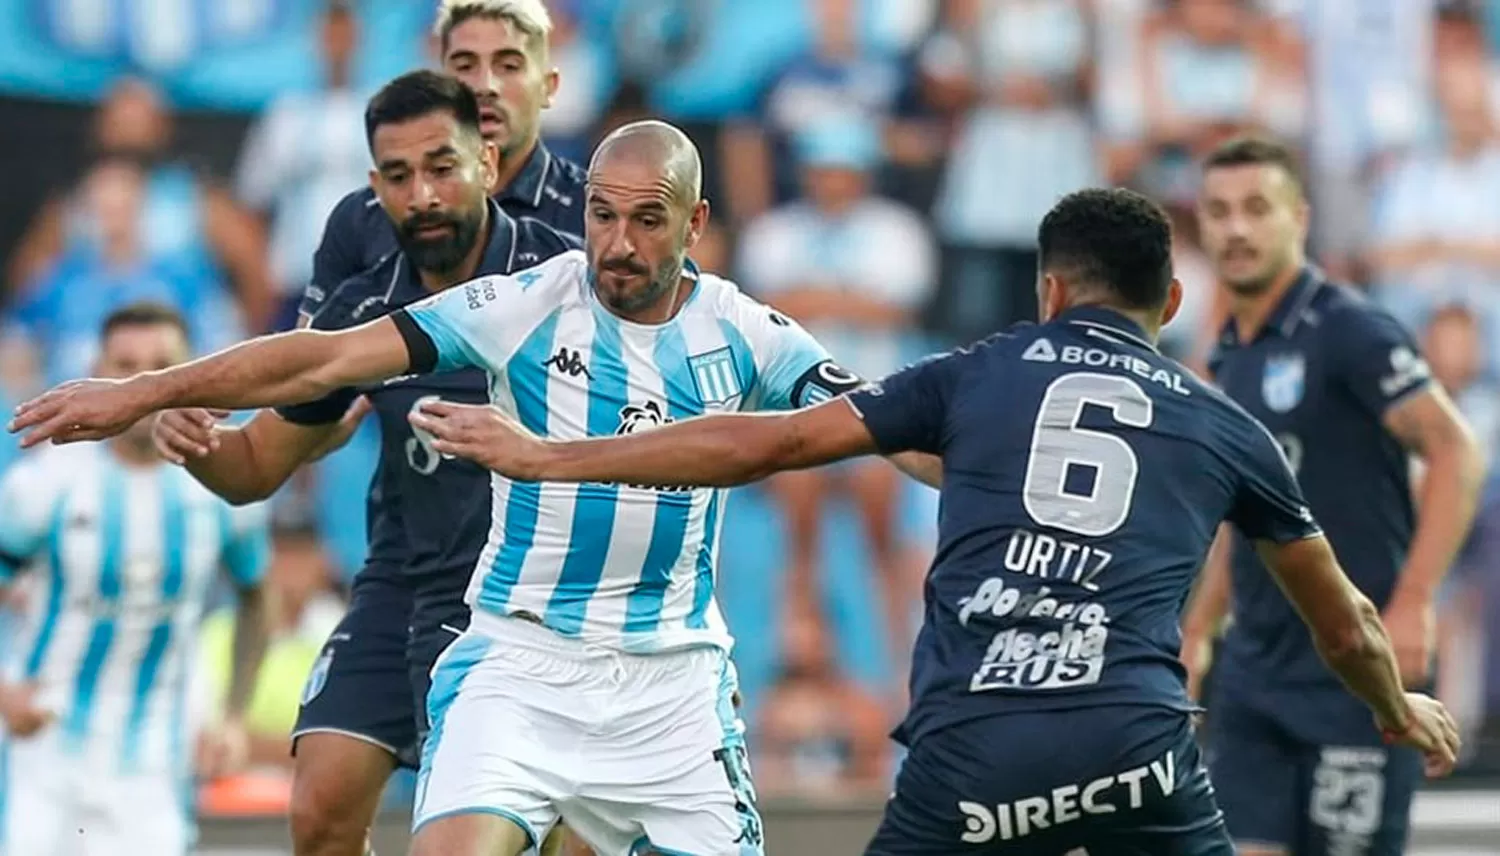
(359, 234)
(1320, 375)
(1084, 477)
(443, 513)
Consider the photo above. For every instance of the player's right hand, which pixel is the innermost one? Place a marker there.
(1430, 730)
(18, 707)
(187, 433)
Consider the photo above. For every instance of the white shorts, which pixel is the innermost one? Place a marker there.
(55, 803)
(634, 752)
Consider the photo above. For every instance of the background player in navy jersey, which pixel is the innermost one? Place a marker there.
(1298, 766)
(498, 48)
(1084, 477)
(361, 715)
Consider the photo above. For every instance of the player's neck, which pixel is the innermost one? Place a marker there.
(1250, 312)
(438, 280)
(511, 166)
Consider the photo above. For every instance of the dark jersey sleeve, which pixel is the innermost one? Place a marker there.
(1268, 504)
(338, 255)
(333, 406)
(1377, 359)
(909, 409)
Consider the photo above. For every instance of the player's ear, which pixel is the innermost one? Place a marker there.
(697, 223)
(1174, 302)
(550, 81)
(489, 163)
(1052, 297)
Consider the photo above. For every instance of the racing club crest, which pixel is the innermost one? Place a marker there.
(1282, 384)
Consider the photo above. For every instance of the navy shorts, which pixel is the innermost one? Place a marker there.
(435, 623)
(361, 685)
(1102, 781)
(1312, 800)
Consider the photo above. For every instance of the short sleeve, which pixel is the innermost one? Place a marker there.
(1379, 361)
(338, 256)
(460, 328)
(1268, 504)
(27, 509)
(796, 371)
(247, 544)
(329, 408)
(909, 409)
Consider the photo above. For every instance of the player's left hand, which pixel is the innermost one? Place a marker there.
(1411, 622)
(91, 409)
(223, 749)
(482, 434)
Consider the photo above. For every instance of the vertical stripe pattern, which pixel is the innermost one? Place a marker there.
(594, 509)
(112, 523)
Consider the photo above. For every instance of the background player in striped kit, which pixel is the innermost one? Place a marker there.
(595, 628)
(95, 757)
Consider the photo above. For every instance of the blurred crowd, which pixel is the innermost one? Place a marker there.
(876, 168)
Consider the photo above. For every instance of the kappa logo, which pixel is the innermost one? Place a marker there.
(531, 277)
(568, 362)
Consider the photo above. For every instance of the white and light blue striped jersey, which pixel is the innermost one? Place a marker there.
(124, 557)
(626, 566)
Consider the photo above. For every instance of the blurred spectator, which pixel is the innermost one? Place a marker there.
(302, 156)
(819, 732)
(838, 77)
(589, 81)
(1361, 111)
(61, 312)
(1016, 72)
(302, 612)
(1210, 69)
(188, 222)
(1452, 344)
(854, 269)
(1436, 230)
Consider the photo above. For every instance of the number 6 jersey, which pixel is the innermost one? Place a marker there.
(1084, 478)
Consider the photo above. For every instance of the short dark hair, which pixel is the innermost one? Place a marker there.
(417, 94)
(1256, 151)
(1115, 240)
(146, 313)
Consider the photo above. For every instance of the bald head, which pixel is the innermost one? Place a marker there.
(655, 145)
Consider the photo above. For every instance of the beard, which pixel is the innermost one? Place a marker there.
(443, 252)
(659, 284)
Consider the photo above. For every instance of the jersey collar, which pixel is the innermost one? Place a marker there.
(1107, 322)
(1288, 313)
(526, 188)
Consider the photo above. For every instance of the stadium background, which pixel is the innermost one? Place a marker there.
(876, 167)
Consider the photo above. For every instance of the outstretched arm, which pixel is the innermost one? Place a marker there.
(286, 368)
(708, 451)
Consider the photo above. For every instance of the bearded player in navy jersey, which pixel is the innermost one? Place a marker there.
(498, 48)
(363, 712)
(1084, 477)
(346, 743)
(1298, 766)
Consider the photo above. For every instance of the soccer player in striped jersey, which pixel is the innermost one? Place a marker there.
(123, 551)
(595, 633)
